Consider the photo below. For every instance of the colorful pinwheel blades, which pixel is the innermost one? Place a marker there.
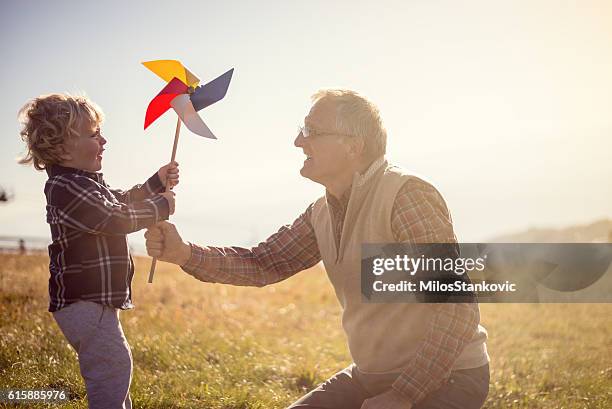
(168, 69)
(161, 103)
(212, 92)
(184, 108)
(178, 96)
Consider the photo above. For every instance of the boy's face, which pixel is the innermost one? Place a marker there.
(85, 152)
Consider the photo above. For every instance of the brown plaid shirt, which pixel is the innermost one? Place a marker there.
(89, 258)
(419, 215)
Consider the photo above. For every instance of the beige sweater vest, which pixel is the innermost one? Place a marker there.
(381, 337)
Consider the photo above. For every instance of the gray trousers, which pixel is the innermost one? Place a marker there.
(465, 389)
(105, 359)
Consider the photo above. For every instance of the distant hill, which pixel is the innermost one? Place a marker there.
(599, 231)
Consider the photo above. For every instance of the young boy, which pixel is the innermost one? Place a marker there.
(90, 263)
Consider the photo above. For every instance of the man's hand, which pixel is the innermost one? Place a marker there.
(165, 243)
(169, 174)
(169, 195)
(391, 399)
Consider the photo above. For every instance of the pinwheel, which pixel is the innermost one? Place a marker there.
(183, 94)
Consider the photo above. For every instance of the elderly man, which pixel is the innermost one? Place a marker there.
(406, 355)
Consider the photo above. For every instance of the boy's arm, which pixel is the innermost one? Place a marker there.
(167, 174)
(79, 203)
(151, 187)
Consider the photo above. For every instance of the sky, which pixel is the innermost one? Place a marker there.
(504, 106)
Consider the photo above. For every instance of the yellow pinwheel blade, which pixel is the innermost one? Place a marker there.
(168, 69)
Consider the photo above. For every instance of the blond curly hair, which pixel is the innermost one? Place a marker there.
(51, 121)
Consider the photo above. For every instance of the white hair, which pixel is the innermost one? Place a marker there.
(356, 116)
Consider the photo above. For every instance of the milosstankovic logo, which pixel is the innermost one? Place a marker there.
(487, 272)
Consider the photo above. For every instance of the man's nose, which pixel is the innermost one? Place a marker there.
(299, 141)
(102, 140)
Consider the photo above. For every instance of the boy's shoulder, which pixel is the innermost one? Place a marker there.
(71, 183)
(75, 179)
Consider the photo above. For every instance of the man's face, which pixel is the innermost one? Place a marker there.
(85, 151)
(327, 154)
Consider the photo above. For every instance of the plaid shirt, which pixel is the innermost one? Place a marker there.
(89, 254)
(419, 215)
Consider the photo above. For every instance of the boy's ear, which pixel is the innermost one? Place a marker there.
(65, 156)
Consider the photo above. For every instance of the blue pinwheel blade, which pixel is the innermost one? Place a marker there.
(212, 92)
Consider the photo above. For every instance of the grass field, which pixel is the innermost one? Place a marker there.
(198, 345)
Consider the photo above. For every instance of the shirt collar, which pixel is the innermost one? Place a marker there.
(56, 170)
(359, 180)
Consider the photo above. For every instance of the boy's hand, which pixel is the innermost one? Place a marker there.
(169, 174)
(165, 243)
(169, 195)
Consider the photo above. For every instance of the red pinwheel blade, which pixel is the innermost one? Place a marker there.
(161, 102)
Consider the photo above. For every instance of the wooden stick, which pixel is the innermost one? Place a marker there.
(176, 138)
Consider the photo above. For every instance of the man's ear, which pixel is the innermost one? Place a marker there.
(356, 146)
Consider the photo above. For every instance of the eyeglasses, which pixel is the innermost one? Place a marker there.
(310, 133)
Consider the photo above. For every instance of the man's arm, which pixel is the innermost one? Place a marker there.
(78, 203)
(290, 250)
(420, 215)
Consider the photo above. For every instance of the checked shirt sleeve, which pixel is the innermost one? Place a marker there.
(420, 216)
(151, 187)
(290, 250)
(81, 204)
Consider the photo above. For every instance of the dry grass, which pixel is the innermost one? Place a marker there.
(203, 345)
